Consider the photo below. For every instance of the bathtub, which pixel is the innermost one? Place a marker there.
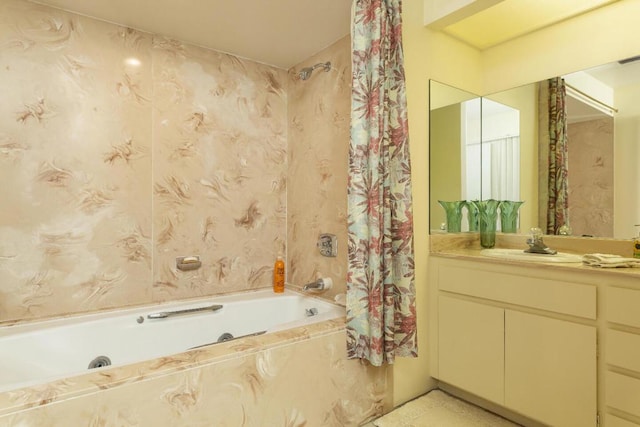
(283, 367)
(41, 352)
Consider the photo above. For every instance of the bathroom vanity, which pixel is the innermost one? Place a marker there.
(557, 343)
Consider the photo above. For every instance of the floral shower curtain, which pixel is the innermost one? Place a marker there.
(381, 315)
(557, 214)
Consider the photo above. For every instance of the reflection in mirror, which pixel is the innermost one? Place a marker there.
(474, 150)
(454, 118)
(603, 149)
(523, 172)
(500, 157)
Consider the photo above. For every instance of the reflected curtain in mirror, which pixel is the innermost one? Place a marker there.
(501, 159)
(381, 316)
(558, 157)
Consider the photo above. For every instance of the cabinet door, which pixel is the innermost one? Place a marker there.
(550, 369)
(471, 347)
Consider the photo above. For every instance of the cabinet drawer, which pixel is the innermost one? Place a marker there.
(623, 393)
(622, 306)
(564, 297)
(623, 350)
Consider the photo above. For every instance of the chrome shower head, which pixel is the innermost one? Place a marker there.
(306, 72)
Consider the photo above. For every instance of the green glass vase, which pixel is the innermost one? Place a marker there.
(453, 211)
(487, 221)
(472, 215)
(509, 216)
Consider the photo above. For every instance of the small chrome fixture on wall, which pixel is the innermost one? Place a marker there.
(328, 245)
(321, 284)
(186, 263)
(306, 72)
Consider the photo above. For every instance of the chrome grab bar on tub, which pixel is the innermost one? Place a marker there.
(165, 314)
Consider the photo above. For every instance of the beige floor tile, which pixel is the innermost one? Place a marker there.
(438, 409)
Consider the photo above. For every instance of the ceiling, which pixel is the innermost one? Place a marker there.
(617, 75)
(282, 33)
(509, 19)
(613, 75)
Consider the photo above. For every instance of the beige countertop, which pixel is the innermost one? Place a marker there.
(466, 246)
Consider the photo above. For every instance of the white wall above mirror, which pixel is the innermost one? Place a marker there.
(603, 128)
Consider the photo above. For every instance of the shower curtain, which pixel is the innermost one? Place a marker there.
(381, 316)
(558, 204)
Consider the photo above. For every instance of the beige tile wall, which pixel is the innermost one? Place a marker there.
(120, 150)
(75, 163)
(219, 186)
(111, 169)
(319, 115)
(591, 177)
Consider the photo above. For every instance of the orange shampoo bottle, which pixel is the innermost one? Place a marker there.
(278, 275)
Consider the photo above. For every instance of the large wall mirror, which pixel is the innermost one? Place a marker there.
(497, 146)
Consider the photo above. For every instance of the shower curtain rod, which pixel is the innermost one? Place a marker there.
(592, 99)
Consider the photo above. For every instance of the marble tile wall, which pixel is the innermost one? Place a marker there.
(319, 115)
(75, 163)
(120, 150)
(220, 164)
(591, 177)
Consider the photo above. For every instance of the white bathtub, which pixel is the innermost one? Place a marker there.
(40, 352)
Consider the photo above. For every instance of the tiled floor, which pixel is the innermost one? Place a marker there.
(439, 409)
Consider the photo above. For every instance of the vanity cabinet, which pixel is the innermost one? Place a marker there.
(622, 354)
(550, 369)
(525, 342)
(472, 345)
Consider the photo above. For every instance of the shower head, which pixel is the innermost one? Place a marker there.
(306, 72)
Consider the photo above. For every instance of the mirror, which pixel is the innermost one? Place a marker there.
(455, 117)
(478, 151)
(603, 128)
